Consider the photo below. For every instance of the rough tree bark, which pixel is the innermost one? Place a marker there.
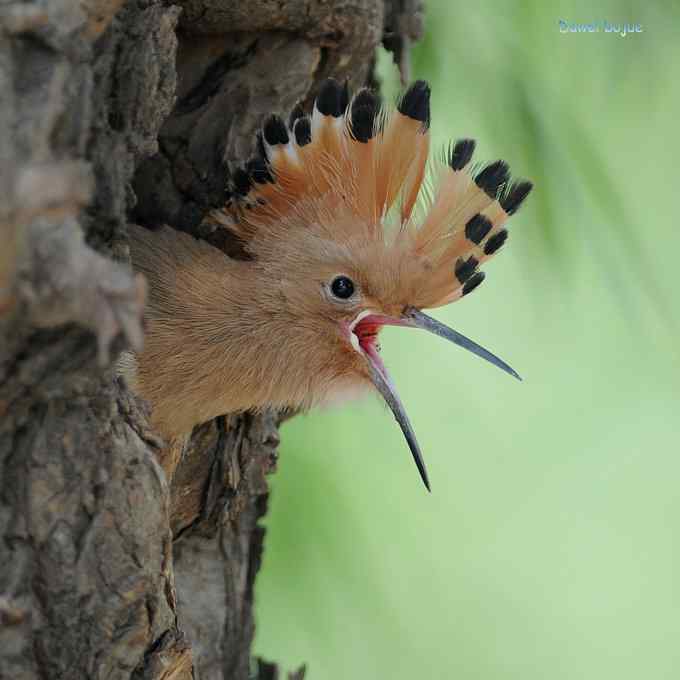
(111, 111)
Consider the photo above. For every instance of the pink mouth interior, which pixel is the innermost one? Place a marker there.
(367, 333)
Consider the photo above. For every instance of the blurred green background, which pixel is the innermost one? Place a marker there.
(550, 545)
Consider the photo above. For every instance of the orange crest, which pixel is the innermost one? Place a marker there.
(353, 172)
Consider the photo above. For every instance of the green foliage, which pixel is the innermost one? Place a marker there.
(548, 548)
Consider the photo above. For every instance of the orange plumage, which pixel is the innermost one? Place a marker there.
(326, 212)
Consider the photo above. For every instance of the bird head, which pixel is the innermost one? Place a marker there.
(329, 211)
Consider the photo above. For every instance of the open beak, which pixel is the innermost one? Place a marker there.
(366, 327)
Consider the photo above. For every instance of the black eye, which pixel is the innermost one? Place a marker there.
(342, 287)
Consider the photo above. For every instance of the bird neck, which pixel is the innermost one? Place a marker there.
(212, 335)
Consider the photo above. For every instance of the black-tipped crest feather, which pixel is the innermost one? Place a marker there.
(495, 242)
(365, 107)
(416, 102)
(464, 269)
(492, 177)
(514, 196)
(332, 98)
(477, 228)
(303, 131)
(275, 131)
(474, 281)
(460, 153)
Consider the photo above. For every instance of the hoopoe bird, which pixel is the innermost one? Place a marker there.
(337, 247)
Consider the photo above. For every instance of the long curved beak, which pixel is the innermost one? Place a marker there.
(413, 318)
(417, 319)
(383, 382)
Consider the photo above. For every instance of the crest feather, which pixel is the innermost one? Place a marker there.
(354, 157)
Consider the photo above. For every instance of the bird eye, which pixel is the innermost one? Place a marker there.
(342, 287)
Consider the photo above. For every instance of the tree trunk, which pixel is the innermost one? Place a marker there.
(112, 111)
